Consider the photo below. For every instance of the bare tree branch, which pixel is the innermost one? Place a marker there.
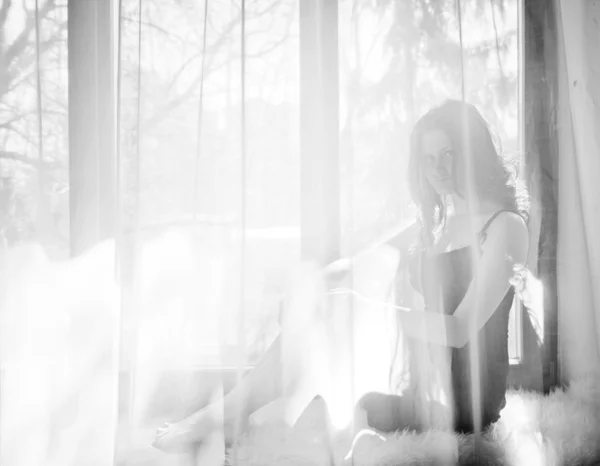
(185, 95)
(150, 25)
(13, 60)
(16, 157)
(25, 62)
(15, 130)
(266, 49)
(16, 48)
(224, 37)
(6, 4)
(8, 123)
(211, 49)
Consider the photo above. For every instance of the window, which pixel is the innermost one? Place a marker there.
(397, 60)
(180, 125)
(34, 125)
(188, 173)
(183, 183)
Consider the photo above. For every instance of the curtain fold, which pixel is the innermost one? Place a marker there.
(578, 248)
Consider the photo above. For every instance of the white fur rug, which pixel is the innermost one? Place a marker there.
(534, 430)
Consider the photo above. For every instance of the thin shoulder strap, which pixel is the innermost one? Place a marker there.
(483, 232)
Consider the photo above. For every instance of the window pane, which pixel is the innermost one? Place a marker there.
(397, 60)
(192, 179)
(33, 165)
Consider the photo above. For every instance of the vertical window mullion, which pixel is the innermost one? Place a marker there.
(92, 134)
(319, 130)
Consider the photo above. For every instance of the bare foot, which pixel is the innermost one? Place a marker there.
(177, 437)
(186, 434)
(194, 430)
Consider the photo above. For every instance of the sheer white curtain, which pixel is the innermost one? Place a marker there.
(578, 261)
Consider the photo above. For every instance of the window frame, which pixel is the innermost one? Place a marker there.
(538, 368)
(92, 115)
(94, 136)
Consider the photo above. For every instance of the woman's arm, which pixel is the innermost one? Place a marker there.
(400, 239)
(506, 245)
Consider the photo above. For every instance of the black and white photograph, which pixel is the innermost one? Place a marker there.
(299, 232)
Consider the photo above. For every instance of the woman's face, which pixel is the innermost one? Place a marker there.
(437, 160)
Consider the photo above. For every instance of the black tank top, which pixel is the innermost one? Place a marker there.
(445, 279)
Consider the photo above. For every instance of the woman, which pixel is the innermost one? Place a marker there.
(470, 235)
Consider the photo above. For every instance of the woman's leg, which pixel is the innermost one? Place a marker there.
(261, 386)
(388, 413)
(391, 413)
(304, 348)
(265, 383)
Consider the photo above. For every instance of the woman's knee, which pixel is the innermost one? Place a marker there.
(386, 413)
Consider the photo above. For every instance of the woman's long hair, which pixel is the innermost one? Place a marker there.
(476, 153)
